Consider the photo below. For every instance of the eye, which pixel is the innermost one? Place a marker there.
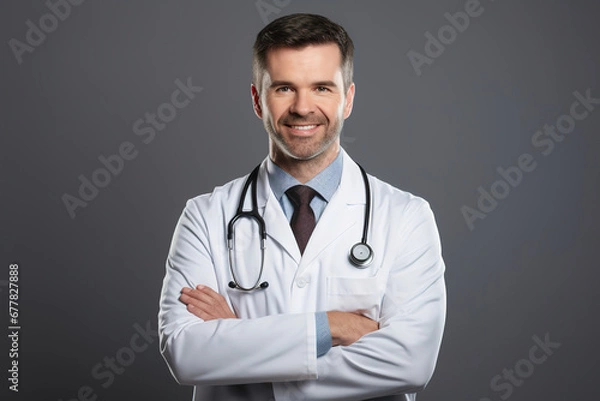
(322, 89)
(283, 89)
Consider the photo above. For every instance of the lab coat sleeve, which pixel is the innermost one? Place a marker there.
(399, 357)
(225, 351)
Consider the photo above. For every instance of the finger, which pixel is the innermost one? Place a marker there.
(210, 299)
(209, 292)
(208, 314)
(209, 304)
(202, 292)
(200, 309)
(217, 300)
(199, 313)
(198, 300)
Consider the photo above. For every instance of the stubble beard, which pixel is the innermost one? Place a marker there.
(303, 149)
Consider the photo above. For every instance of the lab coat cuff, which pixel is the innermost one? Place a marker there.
(311, 352)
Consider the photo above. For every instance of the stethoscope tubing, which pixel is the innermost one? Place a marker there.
(357, 258)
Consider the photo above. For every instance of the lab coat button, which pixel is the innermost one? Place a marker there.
(301, 282)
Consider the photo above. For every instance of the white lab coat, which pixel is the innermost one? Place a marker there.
(270, 351)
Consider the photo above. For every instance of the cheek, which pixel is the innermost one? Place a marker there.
(274, 110)
(335, 111)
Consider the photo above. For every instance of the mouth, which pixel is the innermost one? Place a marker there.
(303, 129)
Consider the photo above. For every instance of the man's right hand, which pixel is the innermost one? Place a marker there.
(348, 327)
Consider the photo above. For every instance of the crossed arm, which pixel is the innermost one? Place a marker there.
(346, 327)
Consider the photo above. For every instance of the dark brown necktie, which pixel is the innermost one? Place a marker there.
(303, 219)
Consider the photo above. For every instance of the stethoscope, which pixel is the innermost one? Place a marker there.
(360, 255)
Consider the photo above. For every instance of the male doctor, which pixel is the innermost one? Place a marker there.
(322, 328)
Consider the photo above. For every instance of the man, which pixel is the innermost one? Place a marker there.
(312, 325)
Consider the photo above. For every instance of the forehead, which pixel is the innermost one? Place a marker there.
(309, 62)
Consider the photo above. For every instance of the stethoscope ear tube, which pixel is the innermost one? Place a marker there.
(262, 285)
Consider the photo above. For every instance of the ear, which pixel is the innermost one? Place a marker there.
(256, 101)
(349, 101)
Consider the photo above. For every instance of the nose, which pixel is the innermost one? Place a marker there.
(303, 103)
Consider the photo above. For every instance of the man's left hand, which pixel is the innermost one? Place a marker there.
(206, 303)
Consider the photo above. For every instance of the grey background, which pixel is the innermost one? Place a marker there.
(529, 268)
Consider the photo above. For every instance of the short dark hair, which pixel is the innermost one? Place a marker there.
(298, 31)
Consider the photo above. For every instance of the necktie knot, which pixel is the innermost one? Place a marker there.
(301, 195)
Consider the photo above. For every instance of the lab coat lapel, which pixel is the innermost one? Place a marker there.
(334, 221)
(278, 228)
(336, 217)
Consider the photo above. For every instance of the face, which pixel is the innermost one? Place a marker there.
(303, 103)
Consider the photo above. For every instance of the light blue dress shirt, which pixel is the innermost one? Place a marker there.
(325, 183)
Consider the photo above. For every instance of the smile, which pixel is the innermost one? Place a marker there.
(303, 127)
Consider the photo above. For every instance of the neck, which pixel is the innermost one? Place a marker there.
(305, 170)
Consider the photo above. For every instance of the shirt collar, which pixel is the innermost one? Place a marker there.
(325, 183)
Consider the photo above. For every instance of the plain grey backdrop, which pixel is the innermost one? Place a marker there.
(90, 280)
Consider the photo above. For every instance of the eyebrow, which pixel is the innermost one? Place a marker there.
(326, 83)
(287, 83)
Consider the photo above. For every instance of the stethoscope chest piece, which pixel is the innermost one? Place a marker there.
(361, 255)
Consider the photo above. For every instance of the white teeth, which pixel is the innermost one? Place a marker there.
(304, 127)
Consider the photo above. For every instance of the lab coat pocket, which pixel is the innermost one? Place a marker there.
(351, 294)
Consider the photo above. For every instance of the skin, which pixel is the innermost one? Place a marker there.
(300, 87)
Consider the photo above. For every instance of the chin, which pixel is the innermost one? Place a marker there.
(301, 149)
(305, 154)
(300, 155)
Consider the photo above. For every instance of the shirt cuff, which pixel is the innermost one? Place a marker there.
(323, 333)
